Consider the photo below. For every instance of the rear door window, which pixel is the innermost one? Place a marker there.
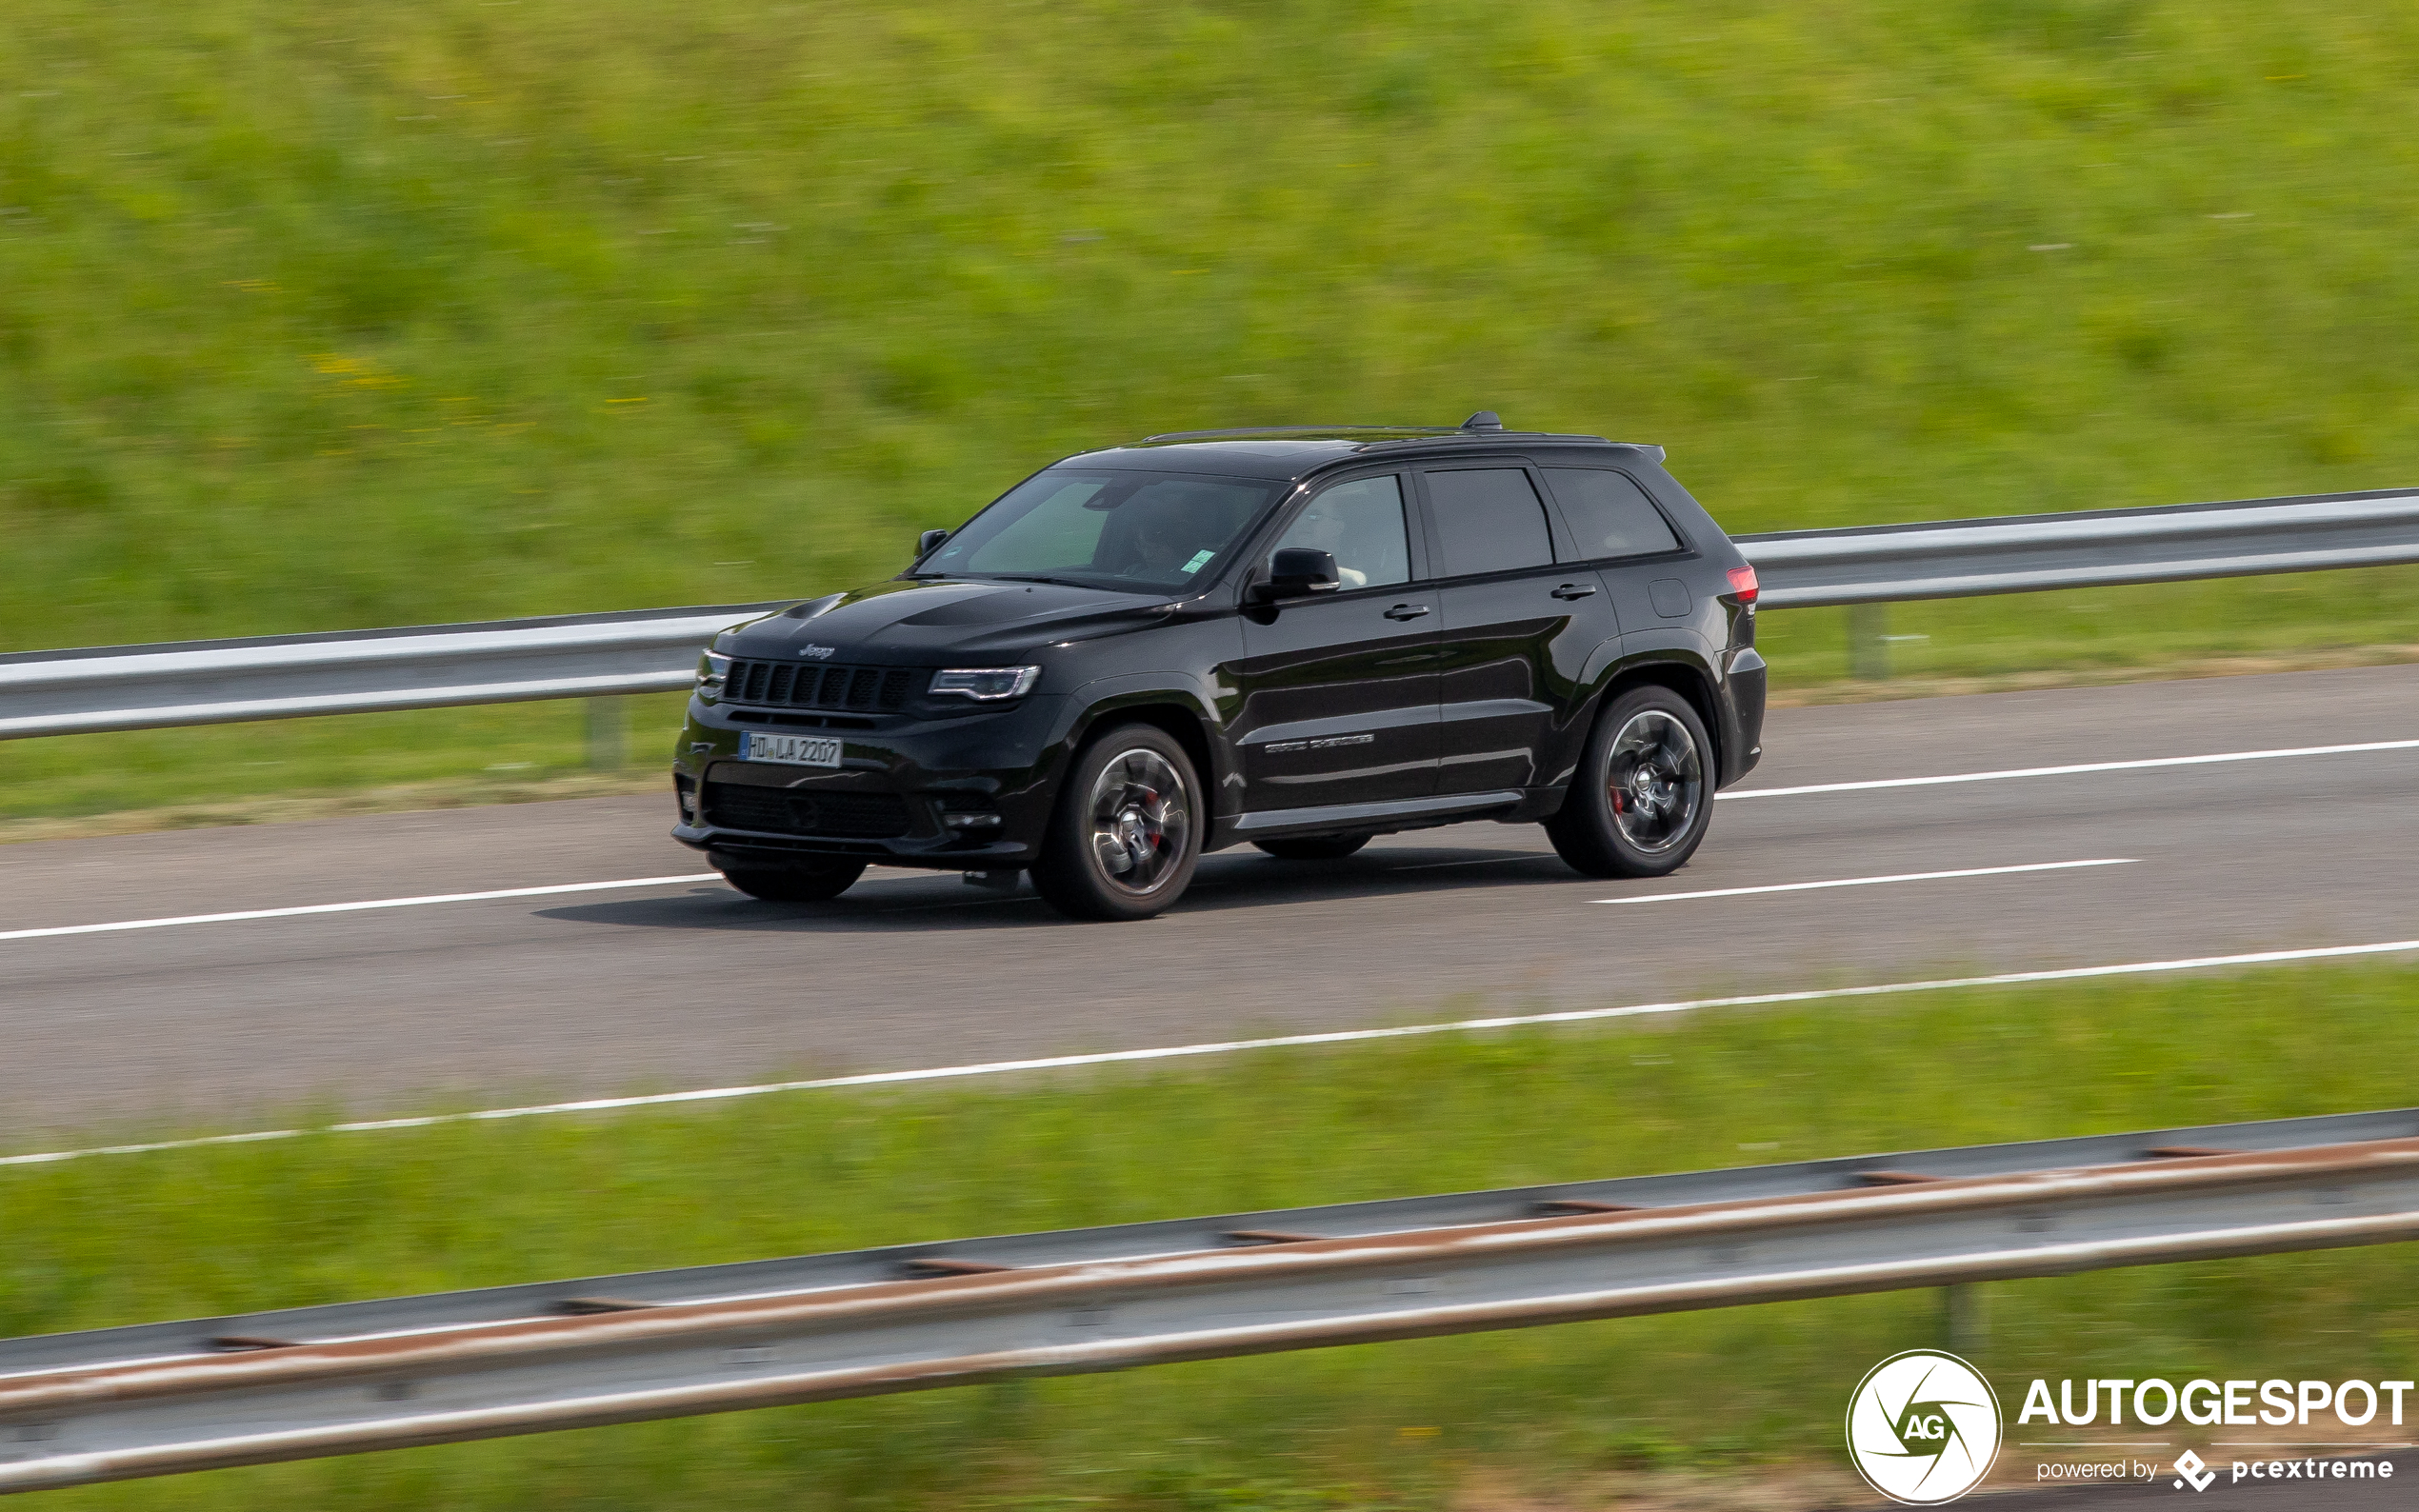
(1608, 514)
(1488, 520)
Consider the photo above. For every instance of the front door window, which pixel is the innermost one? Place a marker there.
(1360, 524)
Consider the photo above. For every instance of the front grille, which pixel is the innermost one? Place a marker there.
(793, 811)
(811, 685)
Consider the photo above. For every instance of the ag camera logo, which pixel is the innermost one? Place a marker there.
(1923, 1428)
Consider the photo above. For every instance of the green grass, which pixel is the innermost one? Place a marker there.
(126, 1239)
(473, 752)
(353, 315)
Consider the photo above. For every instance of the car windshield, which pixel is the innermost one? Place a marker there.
(1149, 532)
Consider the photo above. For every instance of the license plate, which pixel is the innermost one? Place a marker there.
(794, 750)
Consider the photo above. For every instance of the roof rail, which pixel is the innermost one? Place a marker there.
(1296, 430)
(1482, 434)
(1485, 426)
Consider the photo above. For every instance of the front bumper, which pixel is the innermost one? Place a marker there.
(962, 791)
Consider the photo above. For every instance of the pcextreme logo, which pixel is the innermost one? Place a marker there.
(2191, 1469)
(1923, 1428)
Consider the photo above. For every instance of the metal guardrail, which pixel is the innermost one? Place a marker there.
(1946, 559)
(162, 1399)
(356, 672)
(652, 650)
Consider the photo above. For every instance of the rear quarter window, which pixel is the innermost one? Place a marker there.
(1608, 514)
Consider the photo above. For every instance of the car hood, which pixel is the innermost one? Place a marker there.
(911, 623)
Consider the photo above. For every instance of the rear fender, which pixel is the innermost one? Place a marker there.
(1675, 659)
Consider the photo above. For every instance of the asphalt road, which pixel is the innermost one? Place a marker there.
(688, 983)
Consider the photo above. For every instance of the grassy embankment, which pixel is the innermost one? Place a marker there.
(1566, 1412)
(350, 316)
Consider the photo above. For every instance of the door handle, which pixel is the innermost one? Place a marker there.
(1407, 611)
(1574, 590)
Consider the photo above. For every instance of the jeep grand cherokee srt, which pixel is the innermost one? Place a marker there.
(1294, 639)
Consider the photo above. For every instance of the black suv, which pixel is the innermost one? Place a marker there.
(1297, 638)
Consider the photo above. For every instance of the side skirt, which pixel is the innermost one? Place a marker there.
(1382, 818)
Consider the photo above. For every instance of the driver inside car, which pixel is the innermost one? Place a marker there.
(1325, 529)
(1163, 541)
(1360, 524)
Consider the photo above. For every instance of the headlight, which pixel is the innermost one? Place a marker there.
(712, 668)
(988, 684)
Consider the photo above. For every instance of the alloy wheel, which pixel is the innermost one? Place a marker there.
(1655, 780)
(1140, 821)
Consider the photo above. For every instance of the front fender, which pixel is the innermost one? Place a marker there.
(1106, 697)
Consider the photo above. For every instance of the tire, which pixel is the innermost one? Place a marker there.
(1312, 847)
(1126, 833)
(820, 884)
(1639, 805)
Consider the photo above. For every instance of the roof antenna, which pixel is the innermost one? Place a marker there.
(1484, 420)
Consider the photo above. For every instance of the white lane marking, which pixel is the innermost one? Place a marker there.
(355, 907)
(1875, 882)
(938, 1073)
(2068, 771)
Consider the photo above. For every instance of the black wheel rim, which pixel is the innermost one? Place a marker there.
(1655, 780)
(1141, 823)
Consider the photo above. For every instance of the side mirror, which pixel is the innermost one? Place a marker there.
(928, 542)
(1298, 572)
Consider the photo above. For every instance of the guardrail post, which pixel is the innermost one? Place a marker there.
(1963, 1318)
(608, 733)
(1869, 641)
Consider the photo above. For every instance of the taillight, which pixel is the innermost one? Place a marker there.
(1743, 583)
